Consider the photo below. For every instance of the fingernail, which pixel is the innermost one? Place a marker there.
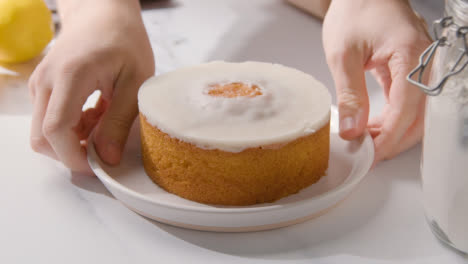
(347, 123)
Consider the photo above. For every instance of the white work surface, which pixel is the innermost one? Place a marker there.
(49, 215)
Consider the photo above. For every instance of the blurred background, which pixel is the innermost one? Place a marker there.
(191, 32)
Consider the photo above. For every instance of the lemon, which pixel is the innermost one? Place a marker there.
(26, 28)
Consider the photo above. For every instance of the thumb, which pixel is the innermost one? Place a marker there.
(113, 129)
(347, 69)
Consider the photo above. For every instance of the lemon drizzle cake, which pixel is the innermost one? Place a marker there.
(234, 133)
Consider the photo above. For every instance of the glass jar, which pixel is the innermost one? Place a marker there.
(444, 162)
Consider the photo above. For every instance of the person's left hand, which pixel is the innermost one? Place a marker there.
(387, 38)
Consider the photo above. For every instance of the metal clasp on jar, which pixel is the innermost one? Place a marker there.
(428, 54)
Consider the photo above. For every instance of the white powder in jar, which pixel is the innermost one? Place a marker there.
(445, 162)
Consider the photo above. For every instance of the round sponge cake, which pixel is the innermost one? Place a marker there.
(234, 133)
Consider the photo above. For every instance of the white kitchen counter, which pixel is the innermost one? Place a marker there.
(49, 215)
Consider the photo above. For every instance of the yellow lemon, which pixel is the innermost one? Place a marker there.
(26, 28)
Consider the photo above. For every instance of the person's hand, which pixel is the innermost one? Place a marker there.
(387, 38)
(103, 46)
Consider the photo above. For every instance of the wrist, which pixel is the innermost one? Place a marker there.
(372, 6)
(71, 11)
(372, 1)
(363, 3)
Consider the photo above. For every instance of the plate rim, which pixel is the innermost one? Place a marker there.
(344, 186)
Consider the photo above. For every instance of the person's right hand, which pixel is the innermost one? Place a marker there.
(103, 46)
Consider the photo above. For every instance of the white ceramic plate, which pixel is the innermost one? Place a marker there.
(128, 182)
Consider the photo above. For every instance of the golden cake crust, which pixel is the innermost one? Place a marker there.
(255, 175)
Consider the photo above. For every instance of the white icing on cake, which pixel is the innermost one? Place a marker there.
(293, 104)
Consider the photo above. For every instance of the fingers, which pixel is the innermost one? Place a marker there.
(396, 134)
(402, 119)
(112, 131)
(347, 68)
(90, 118)
(58, 123)
(62, 115)
(38, 142)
